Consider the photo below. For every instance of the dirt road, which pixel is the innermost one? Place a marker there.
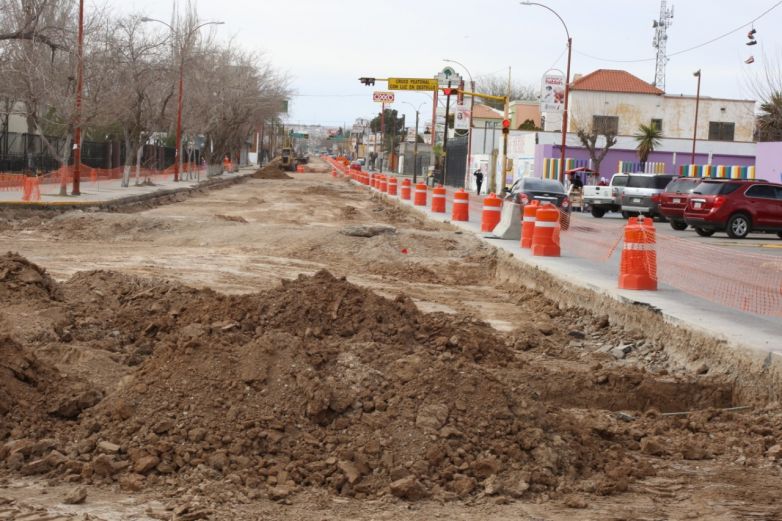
(451, 398)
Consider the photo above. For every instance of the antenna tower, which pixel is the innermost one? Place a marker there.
(660, 42)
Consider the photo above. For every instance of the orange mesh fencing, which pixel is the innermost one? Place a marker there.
(750, 282)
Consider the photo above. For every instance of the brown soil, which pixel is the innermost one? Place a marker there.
(414, 379)
(271, 171)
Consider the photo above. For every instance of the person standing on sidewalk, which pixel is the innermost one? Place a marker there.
(478, 180)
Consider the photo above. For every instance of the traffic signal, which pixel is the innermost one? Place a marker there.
(506, 126)
(367, 81)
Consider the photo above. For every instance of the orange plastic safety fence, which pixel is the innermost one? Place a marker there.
(745, 281)
(594, 240)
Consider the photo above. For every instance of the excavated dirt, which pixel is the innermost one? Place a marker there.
(210, 365)
(271, 171)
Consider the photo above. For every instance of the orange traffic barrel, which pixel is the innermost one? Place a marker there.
(638, 269)
(333, 172)
(299, 169)
(392, 186)
(383, 186)
(492, 210)
(545, 238)
(438, 199)
(419, 197)
(461, 206)
(528, 223)
(406, 189)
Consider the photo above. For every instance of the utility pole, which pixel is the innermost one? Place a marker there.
(445, 134)
(382, 134)
(433, 158)
(79, 88)
(697, 106)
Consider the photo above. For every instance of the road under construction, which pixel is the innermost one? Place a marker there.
(300, 344)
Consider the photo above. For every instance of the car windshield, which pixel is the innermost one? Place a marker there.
(543, 185)
(657, 182)
(682, 186)
(619, 180)
(714, 188)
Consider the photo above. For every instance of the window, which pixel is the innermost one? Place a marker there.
(715, 188)
(721, 131)
(656, 182)
(658, 124)
(606, 124)
(763, 191)
(543, 185)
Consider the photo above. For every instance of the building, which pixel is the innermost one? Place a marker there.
(523, 111)
(619, 102)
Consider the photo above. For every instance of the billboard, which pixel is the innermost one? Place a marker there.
(552, 92)
(383, 97)
(461, 118)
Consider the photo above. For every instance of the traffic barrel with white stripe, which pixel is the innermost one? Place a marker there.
(419, 195)
(438, 199)
(406, 190)
(333, 172)
(392, 186)
(383, 184)
(528, 223)
(492, 211)
(638, 269)
(461, 206)
(545, 238)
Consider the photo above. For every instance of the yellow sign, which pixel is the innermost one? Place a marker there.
(412, 84)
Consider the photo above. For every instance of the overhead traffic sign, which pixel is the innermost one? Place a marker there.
(412, 84)
(383, 97)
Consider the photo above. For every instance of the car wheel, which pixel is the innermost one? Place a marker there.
(739, 226)
(704, 233)
(627, 215)
(678, 225)
(598, 212)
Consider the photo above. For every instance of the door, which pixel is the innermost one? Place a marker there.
(456, 158)
(762, 201)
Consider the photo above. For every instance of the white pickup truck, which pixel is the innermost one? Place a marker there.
(602, 199)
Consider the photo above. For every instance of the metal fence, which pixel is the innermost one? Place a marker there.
(28, 153)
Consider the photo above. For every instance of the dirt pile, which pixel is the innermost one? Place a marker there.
(20, 279)
(320, 383)
(271, 171)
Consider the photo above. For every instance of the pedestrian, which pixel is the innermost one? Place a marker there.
(478, 180)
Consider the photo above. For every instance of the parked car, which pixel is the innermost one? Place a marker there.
(602, 199)
(674, 199)
(735, 207)
(642, 194)
(529, 189)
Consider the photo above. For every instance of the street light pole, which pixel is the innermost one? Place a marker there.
(563, 147)
(472, 109)
(180, 101)
(697, 106)
(79, 88)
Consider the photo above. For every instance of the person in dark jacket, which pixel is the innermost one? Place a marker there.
(478, 180)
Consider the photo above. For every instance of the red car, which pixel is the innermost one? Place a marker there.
(674, 199)
(735, 207)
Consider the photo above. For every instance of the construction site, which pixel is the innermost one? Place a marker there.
(293, 346)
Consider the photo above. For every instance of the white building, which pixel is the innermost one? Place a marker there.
(618, 101)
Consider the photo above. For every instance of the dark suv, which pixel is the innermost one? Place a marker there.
(736, 207)
(674, 199)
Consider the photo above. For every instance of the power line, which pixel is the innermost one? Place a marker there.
(689, 49)
(328, 95)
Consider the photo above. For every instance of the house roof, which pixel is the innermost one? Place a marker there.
(481, 111)
(610, 80)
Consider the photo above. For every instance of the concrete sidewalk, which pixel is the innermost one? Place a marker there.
(757, 333)
(109, 191)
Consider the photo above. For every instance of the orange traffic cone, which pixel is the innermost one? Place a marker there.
(492, 211)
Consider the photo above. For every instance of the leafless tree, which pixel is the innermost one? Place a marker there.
(766, 86)
(39, 21)
(498, 86)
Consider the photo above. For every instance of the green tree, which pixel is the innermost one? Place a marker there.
(648, 138)
(394, 127)
(769, 122)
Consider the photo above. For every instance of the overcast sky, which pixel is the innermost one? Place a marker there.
(325, 46)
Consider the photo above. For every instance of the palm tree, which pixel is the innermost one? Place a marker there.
(769, 123)
(648, 138)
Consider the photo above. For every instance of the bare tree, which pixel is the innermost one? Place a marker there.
(40, 21)
(498, 86)
(766, 86)
(598, 138)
